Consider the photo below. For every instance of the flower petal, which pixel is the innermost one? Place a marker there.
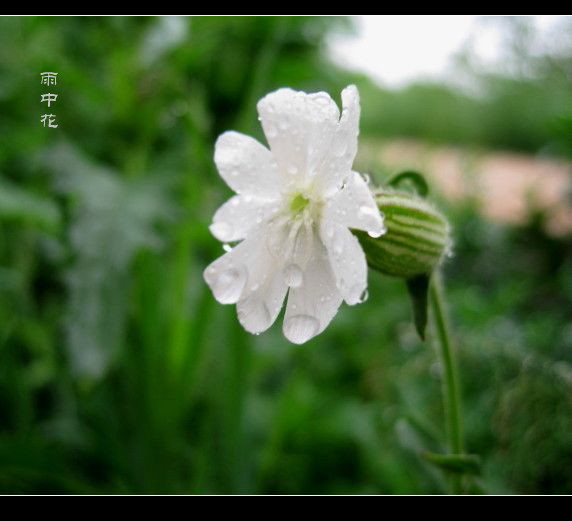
(354, 207)
(246, 165)
(347, 260)
(239, 215)
(250, 276)
(299, 128)
(344, 143)
(348, 129)
(312, 305)
(227, 276)
(258, 311)
(236, 273)
(264, 293)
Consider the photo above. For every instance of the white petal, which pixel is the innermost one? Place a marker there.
(347, 260)
(299, 128)
(348, 129)
(250, 276)
(239, 215)
(258, 311)
(235, 274)
(246, 165)
(313, 304)
(264, 293)
(354, 207)
(227, 276)
(344, 144)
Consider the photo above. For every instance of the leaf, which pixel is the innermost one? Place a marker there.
(456, 463)
(22, 205)
(418, 288)
(405, 179)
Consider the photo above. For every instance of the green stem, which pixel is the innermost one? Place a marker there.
(451, 395)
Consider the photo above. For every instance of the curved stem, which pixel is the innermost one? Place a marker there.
(451, 395)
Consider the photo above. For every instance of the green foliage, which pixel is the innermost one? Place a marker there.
(433, 112)
(455, 463)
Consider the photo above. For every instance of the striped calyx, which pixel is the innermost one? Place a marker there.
(417, 237)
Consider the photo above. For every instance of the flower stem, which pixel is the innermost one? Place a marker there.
(451, 395)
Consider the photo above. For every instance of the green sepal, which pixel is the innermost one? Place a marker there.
(418, 289)
(417, 236)
(410, 178)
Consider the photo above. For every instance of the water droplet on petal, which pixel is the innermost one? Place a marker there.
(377, 233)
(357, 295)
(229, 285)
(329, 231)
(300, 328)
(293, 276)
(367, 213)
(338, 245)
(221, 230)
(322, 99)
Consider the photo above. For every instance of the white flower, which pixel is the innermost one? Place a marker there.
(295, 205)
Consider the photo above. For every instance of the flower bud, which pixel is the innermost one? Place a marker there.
(416, 240)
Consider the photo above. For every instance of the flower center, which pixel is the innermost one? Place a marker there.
(298, 203)
(293, 231)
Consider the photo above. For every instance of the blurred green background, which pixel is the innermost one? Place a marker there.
(118, 371)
